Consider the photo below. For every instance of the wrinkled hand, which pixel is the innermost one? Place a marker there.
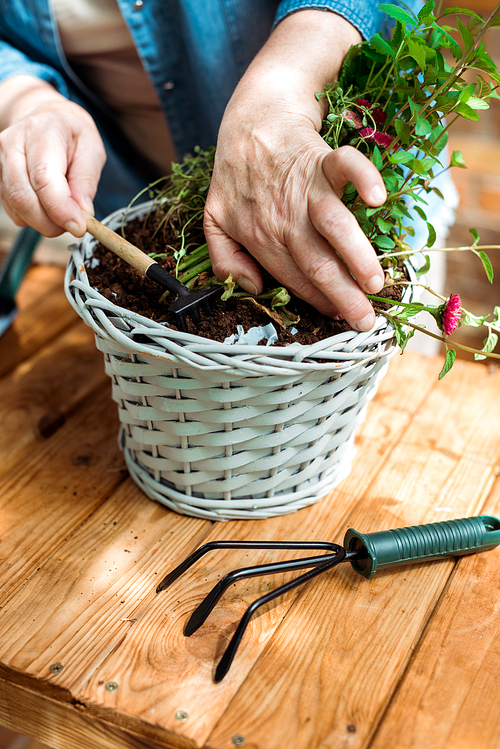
(275, 196)
(51, 157)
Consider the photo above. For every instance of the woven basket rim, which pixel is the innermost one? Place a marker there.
(142, 335)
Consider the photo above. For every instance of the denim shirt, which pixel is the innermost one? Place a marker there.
(194, 52)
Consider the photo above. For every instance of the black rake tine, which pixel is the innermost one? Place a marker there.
(201, 613)
(217, 545)
(230, 652)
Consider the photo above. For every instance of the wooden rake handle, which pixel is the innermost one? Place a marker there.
(117, 244)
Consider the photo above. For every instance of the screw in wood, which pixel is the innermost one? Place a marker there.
(238, 740)
(111, 686)
(56, 668)
(181, 715)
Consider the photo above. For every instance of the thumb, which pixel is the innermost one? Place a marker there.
(230, 259)
(346, 164)
(85, 170)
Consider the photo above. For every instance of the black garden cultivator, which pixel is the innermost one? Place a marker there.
(367, 553)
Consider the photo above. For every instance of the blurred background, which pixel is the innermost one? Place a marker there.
(479, 190)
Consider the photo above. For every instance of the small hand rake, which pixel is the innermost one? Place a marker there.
(188, 302)
(366, 552)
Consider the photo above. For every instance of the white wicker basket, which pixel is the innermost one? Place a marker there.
(223, 431)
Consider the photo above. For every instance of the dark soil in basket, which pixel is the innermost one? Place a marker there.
(126, 287)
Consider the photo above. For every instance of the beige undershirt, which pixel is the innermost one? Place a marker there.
(99, 47)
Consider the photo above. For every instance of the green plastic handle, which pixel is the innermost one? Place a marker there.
(421, 542)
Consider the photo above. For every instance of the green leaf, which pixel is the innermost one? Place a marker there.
(380, 45)
(486, 265)
(466, 35)
(394, 11)
(385, 243)
(383, 225)
(417, 51)
(280, 298)
(474, 321)
(425, 267)
(475, 236)
(423, 126)
(496, 315)
(431, 238)
(463, 11)
(403, 131)
(457, 159)
(377, 158)
(448, 362)
(418, 167)
(465, 111)
(229, 285)
(426, 10)
(476, 103)
(401, 157)
(437, 192)
(420, 212)
(489, 344)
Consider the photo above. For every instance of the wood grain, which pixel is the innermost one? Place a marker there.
(44, 313)
(329, 686)
(45, 493)
(111, 564)
(38, 396)
(449, 694)
(64, 725)
(164, 672)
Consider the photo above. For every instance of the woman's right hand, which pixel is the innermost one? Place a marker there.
(51, 157)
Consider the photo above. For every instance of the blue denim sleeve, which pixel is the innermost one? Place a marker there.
(15, 63)
(363, 14)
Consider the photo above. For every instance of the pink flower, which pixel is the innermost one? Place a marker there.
(379, 116)
(353, 117)
(382, 139)
(364, 103)
(451, 314)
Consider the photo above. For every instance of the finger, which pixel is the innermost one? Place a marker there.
(20, 199)
(346, 164)
(85, 169)
(230, 259)
(335, 222)
(327, 273)
(47, 164)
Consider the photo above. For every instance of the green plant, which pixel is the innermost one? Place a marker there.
(390, 102)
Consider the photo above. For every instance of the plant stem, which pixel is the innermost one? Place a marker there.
(446, 341)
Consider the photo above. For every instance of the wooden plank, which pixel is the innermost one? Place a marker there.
(449, 694)
(38, 396)
(48, 489)
(66, 725)
(329, 686)
(44, 313)
(111, 564)
(161, 671)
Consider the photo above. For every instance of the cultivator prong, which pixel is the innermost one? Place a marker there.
(365, 552)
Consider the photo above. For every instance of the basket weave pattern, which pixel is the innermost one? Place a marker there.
(223, 432)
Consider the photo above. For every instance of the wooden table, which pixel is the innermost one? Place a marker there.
(91, 656)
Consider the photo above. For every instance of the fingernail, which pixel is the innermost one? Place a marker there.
(379, 195)
(247, 285)
(374, 284)
(73, 228)
(88, 205)
(365, 324)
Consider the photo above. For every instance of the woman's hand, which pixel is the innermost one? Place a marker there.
(51, 158)
(276, 186)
